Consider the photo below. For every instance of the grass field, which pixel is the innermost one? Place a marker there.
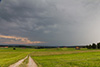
(67, 58)
(54, 57)
(9, 56)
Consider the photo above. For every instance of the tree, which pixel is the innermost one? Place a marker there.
(94, 46)
(89, 46)
(98, 45)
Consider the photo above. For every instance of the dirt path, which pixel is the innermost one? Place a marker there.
(18, 63)
(31, 63)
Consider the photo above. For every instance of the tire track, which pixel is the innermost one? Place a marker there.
(18, 63)
(31, 63)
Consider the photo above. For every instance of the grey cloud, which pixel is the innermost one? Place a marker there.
(59, 22)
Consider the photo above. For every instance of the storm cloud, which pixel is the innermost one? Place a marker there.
(56, 22)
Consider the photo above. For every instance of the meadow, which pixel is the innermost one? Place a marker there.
(52, 57)
(9, 56)
(67, 57)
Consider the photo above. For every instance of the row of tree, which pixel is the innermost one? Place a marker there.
(94, 46)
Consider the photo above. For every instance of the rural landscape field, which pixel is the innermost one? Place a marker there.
(49, 33)
(52, 57)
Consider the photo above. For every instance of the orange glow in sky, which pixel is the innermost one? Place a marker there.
(17, 40)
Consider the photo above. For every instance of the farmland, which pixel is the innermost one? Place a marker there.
(52, 57)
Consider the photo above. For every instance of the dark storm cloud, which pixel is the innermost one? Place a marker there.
(25, 14)
(57, 22)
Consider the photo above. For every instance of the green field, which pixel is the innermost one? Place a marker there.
(54, 57)
(67, 58)
(9, 56)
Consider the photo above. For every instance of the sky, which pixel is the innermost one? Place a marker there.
(50, 22)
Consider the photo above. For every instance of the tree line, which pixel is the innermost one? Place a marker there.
(93, 46)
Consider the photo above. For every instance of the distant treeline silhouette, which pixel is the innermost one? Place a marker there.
(93, 46)
(39, 47)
